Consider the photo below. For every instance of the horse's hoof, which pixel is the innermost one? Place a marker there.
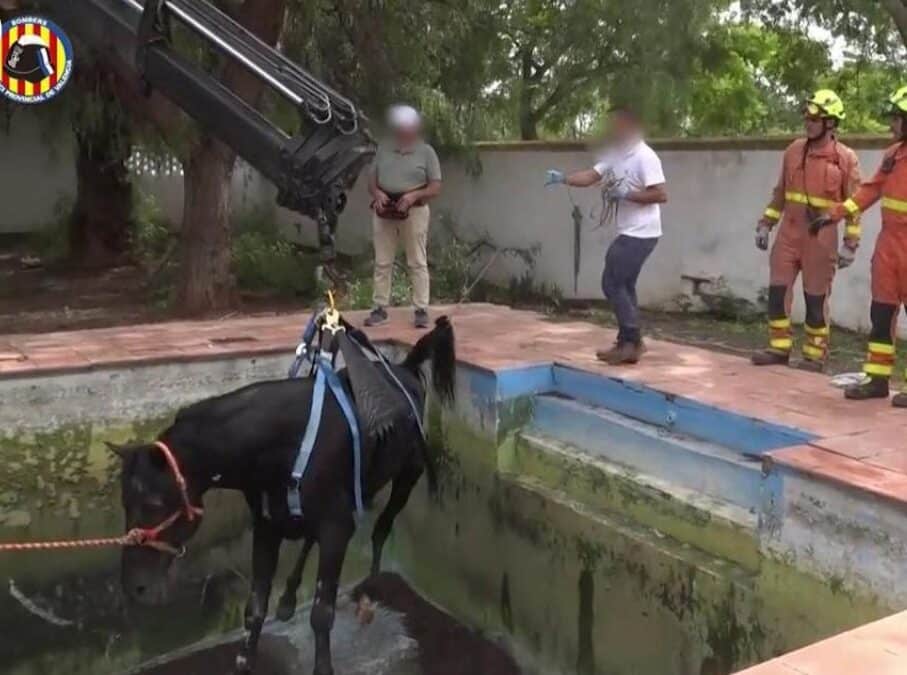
(286, 609)
(365, 610)
(243, 665)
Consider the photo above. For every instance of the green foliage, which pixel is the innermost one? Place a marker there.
(265, 262)
(753, 80)
(50, 242)
(152, 233)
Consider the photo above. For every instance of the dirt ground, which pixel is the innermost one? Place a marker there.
(37, 299)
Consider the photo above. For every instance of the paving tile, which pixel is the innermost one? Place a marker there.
(868, 443)
(844, 470)
(773, 667)
(893, 461)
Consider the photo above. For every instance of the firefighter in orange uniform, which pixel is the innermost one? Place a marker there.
(889, 261)
(817, 172)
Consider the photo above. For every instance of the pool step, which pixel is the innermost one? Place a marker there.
(539, 511)
(712, 525)
(694, 465)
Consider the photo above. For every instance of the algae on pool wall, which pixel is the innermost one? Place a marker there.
(64, 484)
(579, 585)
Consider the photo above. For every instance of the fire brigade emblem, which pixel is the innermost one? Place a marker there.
(35, 59)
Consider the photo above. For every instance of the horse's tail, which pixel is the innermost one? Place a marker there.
(439, 346)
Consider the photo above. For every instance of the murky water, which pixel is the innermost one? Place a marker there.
(82, 626)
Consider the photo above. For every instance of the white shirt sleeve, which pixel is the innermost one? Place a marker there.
(604, 163)
(650, 169)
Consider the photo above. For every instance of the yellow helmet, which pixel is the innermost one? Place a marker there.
(827, 103)
(898, 102)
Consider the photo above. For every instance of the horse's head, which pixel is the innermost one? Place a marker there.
(161, 516)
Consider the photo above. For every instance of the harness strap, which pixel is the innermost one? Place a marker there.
(326, 377)
(347, 407)
(305, 343)
(309, 437)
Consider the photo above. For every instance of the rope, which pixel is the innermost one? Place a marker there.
(129, 539)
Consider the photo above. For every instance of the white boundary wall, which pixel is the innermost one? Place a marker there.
(717, 188)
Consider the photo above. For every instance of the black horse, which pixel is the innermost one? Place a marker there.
(248, 440)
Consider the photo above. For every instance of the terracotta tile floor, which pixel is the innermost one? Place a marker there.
(878, 648)
(862, 444)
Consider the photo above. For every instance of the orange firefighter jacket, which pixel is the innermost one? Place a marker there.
(813, 180)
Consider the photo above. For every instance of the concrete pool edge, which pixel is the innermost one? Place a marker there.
(802, 485)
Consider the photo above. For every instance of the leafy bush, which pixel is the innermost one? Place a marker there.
(152, 233)
(265, 262)
(50, 242)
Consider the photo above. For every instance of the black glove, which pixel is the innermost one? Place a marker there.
(820, 222)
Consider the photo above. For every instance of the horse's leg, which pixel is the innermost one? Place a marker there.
(265, 553)
(333, 539)
(403, 486)
(286, 608)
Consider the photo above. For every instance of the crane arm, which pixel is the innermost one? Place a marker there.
(312, 169)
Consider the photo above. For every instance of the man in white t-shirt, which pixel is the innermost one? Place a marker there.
(637, 181)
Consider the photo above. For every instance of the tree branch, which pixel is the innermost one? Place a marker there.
(898, 11)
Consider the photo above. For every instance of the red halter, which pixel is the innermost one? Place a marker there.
(150, 537)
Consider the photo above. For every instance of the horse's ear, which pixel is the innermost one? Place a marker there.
(119, 450)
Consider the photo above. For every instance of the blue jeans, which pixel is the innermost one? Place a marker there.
(623, 263)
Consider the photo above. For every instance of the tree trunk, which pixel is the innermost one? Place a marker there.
(528, 125)
(898, 11)
(102, 215)
(206, 281)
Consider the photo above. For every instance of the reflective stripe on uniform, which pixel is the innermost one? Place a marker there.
(774, 214)
(878, 369)
(802, 198)
(880, 359)
(881, 348)
(819, 332)
(893, 204)
(813, 352)
(779, 323)
(853, 230)
(852, 207)
(781, 344)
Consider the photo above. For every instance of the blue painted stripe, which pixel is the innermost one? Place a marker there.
(515, 382)
(679, 414)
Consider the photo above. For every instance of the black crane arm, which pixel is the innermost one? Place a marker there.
(312, 169)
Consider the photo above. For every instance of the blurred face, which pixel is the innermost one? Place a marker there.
(407, 134)
(814, 124)
(623, 127)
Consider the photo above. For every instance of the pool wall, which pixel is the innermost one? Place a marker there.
(597, 525)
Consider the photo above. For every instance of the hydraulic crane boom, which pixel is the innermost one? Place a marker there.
(312, 169)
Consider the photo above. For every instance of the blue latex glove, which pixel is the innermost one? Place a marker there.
(617, 193)
(555, 177)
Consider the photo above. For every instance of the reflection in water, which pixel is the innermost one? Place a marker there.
(382, 628)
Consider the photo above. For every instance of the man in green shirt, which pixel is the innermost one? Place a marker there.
(406, 175)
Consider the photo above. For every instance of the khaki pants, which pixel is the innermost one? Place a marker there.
(414, 231)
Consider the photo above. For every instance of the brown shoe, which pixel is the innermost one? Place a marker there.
(768, 357)
(625, 354)
(900, 400)
(605, 354)
(877, 387)
(810, 365)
